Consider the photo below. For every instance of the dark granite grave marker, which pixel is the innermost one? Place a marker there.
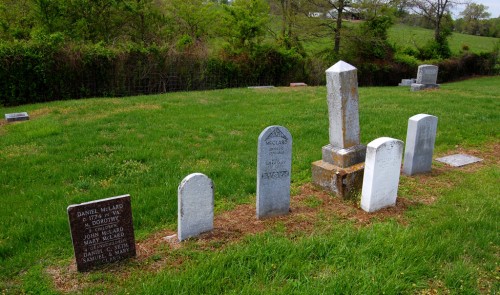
(102, 231)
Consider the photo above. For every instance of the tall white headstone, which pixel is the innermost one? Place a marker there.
(420, 139)
(341, 170)
(381, 177)
(195, 206)
(274, 167)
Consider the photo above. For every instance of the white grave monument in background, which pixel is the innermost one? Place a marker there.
(420, 139)
(195, 206)
(341, 168)
(274, 167)
(426, 78)
(381, 178)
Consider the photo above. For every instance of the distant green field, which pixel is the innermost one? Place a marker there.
(408, 36)
(81, 150)
(403, 35)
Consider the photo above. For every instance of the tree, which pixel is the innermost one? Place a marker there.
(437, 13)
(472, 16)
(288, 10)
(330, 21)
(244, 23)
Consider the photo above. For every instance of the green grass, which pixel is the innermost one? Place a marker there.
(403, 36)
(408, 36)
(81, 150)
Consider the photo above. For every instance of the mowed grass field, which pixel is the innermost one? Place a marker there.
(404, 36)
(408, 36)
(442, 237)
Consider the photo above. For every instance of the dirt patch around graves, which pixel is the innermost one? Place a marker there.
(310, 208)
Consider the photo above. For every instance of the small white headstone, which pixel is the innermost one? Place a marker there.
(381, 177)
(274, 166)
(195, 206)
(420, 139)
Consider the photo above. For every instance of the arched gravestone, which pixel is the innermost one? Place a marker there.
(195, 206)
(274, 165)
(420, 139)
(381, 177)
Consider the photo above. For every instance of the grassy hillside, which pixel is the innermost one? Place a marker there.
(443, 236)
(403, 35)
(407, 36)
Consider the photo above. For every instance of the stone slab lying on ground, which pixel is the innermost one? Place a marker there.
(298, 84)
(260, 87)
(459, 160)
(406, 82)
(17, 117)
(102, 231)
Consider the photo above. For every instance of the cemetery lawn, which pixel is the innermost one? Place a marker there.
(442, 237)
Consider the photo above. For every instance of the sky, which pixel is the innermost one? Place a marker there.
(493, 8)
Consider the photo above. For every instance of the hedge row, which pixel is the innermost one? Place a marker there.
(32, 73)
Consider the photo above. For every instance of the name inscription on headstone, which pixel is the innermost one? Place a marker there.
(102, 231)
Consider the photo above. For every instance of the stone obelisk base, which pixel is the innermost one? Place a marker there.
(340, 171)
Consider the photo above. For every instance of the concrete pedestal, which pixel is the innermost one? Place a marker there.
(344, 182)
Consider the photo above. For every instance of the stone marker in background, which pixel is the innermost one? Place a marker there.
(260, 87)
(381, 179)
(195, 206)
(17, 117)
(274, 166)
(341, 168)
(459, 160)
(426, 78)
(420, 139)
(406, 82)
(102, 231)
(298, 84)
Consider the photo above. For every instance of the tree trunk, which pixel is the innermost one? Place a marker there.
(336, 47)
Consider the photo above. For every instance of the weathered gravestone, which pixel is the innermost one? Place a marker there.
(274, 166)
(102, 231)
(195, 206)
(420, 139)
(406, 82)
(426, 78)
(381, 179)
(17, 117)
(341, 168)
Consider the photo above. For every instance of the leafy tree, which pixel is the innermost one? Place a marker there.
(16, 19)
(290, 11)
(244, 23)
(144, 20)
(192, 21)
(330, 21)
(436, 12)
(472, 15)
